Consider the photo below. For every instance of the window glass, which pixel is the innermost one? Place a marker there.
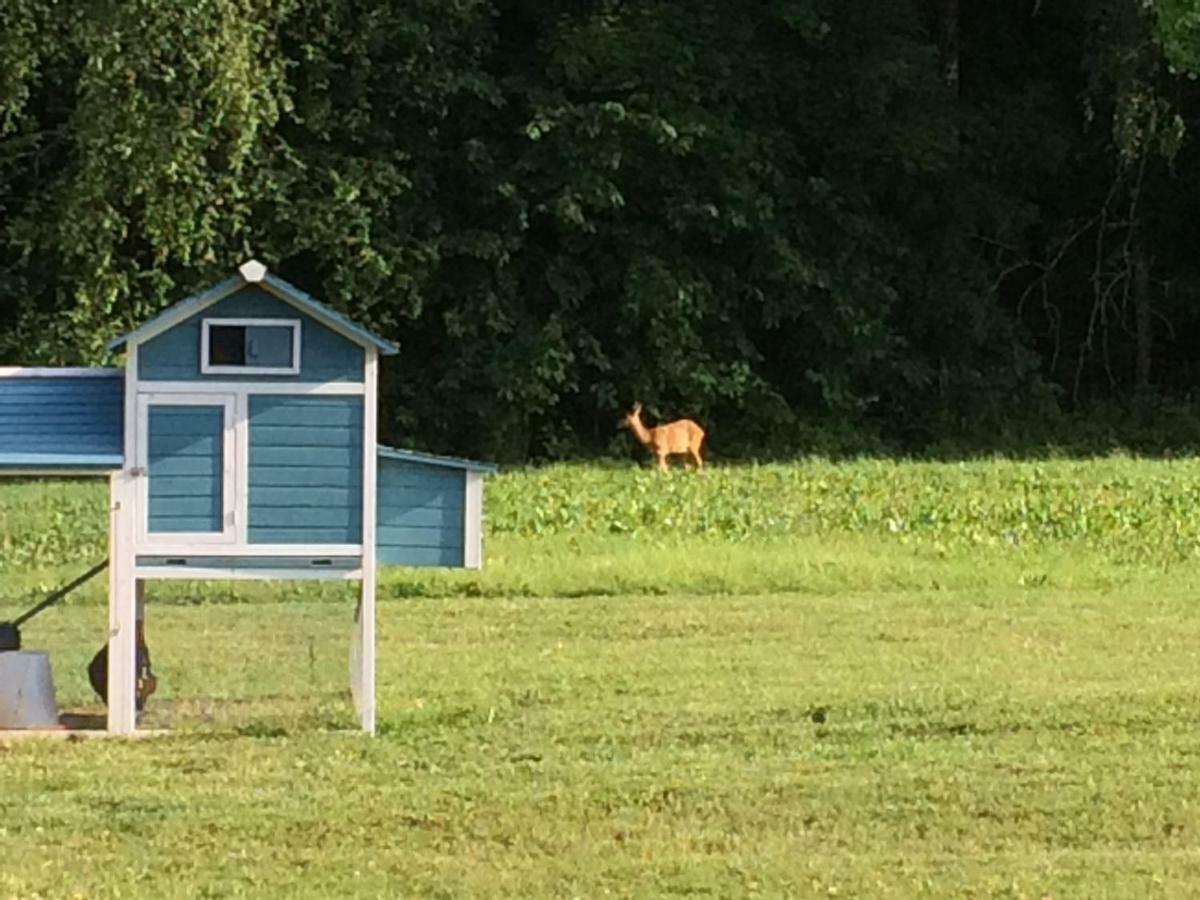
(269, 345)
(226, 345)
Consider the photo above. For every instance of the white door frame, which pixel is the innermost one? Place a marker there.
(228, 533)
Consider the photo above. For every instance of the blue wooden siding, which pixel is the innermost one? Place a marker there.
(420, 514)
(305, 473)
(185, 451)
(324, 354)
(48, 421)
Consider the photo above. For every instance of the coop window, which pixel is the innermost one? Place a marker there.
(250, 347)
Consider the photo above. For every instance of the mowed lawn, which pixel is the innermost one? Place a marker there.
(890, 743)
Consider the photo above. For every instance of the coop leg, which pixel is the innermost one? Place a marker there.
(365, 616)
(363, 654)
(122, 624)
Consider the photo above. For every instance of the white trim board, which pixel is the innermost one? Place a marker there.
(473, 521)
(240, 435)
(202, 573)
(331, 388)
(207, 368)
(365, 676)
(370, 451)
(183, 548)
(122, 595)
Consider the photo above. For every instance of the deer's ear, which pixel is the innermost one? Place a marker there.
(637, 408)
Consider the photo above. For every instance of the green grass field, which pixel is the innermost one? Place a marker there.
(862, 679)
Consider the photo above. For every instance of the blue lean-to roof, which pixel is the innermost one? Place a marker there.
(61, 420)
(432, 459)
(254, 272)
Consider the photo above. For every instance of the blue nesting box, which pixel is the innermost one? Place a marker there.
(240, 439)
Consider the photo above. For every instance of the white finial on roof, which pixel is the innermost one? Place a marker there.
(253, 271)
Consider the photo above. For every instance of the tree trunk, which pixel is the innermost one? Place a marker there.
(948, 43)
(1143, 317)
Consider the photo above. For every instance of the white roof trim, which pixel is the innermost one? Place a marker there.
(332, 324)
(184, 310)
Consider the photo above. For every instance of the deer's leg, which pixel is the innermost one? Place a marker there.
(695, 453)
(662, 462)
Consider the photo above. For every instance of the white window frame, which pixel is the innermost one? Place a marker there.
(229, 467)
(207, 369)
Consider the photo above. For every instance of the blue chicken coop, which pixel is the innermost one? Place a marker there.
(239, 441)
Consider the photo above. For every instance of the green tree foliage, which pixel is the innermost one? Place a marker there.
(1178, 23)
(135, 161)
(900, 221)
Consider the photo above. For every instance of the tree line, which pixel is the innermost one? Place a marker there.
(810, 224)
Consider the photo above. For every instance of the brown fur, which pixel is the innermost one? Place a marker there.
(679, 438)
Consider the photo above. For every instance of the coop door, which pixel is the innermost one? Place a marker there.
(186, 458)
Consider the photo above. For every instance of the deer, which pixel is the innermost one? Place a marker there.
(677, 438)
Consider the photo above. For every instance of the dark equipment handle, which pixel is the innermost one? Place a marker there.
(60, 593)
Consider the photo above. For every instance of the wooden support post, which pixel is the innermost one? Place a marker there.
(364, 617)
(122, 596)
(363, 680)
(473, 522)
(122, 612)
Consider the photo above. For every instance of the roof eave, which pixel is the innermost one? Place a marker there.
(433, 459)
(327, 316)
(180, 311)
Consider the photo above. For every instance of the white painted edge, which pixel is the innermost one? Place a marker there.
(284, 550)
(249, 370)
(370, 569)
(370, 461)
(253, 321)
(207, 368)
(180, 313)
(332, 324)
(252, 271)
(241, 443)
(114, 575)
(473, 522)
(229, 470)
(131, 395)
(122, 600)
(49, 372)
(216, 573)
(265, 388)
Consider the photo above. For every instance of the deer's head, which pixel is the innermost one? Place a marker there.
(634, 415)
